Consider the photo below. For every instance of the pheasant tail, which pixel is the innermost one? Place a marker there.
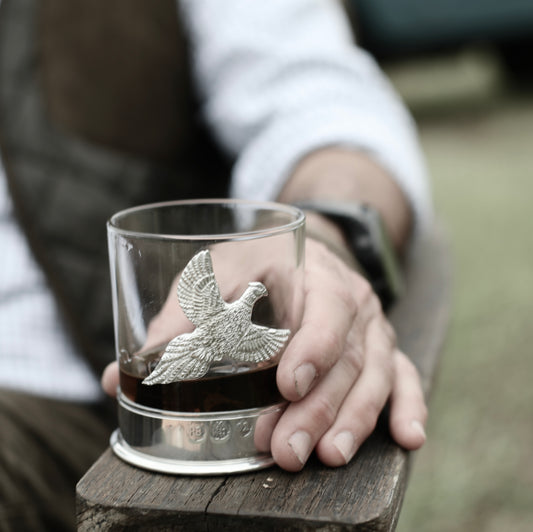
(179, 363)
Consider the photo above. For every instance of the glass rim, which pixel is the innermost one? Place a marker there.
(299, 218)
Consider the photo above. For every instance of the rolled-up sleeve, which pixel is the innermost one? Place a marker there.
(282, 78)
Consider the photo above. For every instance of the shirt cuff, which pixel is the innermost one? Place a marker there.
(268, 161)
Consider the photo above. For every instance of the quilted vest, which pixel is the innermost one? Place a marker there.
(97, 114)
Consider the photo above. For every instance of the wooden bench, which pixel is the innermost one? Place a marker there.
(365, 495)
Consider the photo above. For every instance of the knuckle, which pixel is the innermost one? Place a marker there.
(365, 292)
(356, 360)
(371, 408)
(348, 299)
(368, 416)
(365, 297)
(331, 342)
(324, 413)
(354, 357)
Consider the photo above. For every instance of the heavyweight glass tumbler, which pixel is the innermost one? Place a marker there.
(206, 296)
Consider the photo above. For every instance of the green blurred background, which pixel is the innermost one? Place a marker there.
(465, 69)
(476, 470)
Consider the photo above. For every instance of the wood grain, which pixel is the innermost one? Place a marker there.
(366, 495)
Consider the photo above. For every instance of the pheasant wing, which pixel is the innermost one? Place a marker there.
(183, 359)
(261, 343)
(198, 291)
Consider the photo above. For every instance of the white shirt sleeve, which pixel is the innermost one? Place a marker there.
(36, 354)
(279, 79)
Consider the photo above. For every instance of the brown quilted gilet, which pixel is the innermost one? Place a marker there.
(96, 114)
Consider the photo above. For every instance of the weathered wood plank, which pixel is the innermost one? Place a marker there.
(113, 493)
(368, 491)
(365, 495)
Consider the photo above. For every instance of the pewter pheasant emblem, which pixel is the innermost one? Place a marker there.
(223, 330)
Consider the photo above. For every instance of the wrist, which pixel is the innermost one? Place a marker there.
(322, 229)
(336, 174)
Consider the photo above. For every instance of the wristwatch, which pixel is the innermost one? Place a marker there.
(370, 244)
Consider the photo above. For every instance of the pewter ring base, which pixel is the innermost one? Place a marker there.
(187, 443)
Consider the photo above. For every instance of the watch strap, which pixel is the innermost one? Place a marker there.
(370, 244)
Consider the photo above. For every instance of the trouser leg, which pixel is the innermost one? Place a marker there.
(45, 448)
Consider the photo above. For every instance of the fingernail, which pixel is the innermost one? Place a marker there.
(345, 443)
(304, 376)
(418, 427)
(300, 443)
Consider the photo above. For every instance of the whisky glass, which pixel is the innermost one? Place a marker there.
(207, 294)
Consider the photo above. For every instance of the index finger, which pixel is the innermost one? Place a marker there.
(329, 311)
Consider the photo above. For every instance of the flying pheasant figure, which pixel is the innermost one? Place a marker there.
(223, 330)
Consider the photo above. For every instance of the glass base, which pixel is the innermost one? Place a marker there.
(194, 443)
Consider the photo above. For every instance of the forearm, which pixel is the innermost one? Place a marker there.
(272, 93)
(349, 175)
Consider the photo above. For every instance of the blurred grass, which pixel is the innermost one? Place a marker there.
(476, 470)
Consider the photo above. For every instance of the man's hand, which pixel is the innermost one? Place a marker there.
(340, 369)
(342, 366)
(337, 372)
